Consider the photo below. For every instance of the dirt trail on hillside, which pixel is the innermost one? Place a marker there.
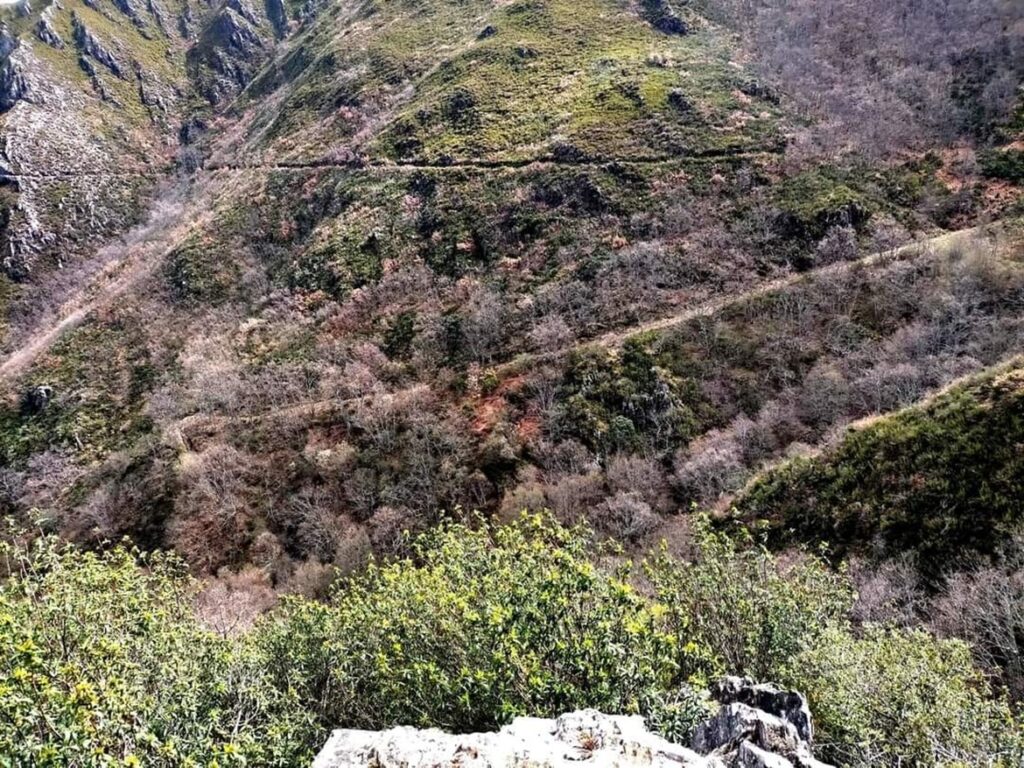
(189, 431)
(117, 267)
(456, 164)
(144, 248)
(616, 338)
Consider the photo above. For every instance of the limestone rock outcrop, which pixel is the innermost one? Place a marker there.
(89, 45)
(756, 726)
(13, 83)
(575, 739)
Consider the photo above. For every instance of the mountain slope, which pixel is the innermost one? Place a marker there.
(352, 219)
(940, 480)
(451, 82)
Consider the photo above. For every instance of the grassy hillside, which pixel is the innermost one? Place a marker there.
(942, 480)
(478, 81)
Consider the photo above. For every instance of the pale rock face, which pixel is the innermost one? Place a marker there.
(757, 726)
(585, 738)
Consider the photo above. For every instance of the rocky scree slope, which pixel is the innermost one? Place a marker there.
(97, 98)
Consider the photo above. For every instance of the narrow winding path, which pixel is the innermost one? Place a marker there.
(140, 259)
(327, 410)
(614, 339)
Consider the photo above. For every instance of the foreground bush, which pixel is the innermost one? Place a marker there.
(482, 626)
(103, 663)
(736, 609)
(898, 697)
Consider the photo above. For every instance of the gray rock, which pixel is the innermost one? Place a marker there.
(158, 15)
(36, 399)
(578, 738)
(788, 705)
(752, 756)
(804, 759)
(278, 15)
(8, 42)
(735, 723)
(739, 735)
(758, 726)
(89, 45)
(186, 23)
(243, 9)
(13, 83)
(231, 29)
(47, 34)
(128, 9)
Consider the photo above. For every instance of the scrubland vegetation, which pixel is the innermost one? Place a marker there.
(631, 270)
(938, 483)
(105, 661)
(372, 302)
(881, 77)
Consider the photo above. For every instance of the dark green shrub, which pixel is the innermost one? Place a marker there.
(622, 403)
(198, 273)
(813, 203)
(399, 335)
(1007, 164)
(942, 481)
(676, 714)
(98, 374)
(664, 17)
(351, 260)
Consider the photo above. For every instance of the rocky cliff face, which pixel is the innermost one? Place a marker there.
(756, 726)
(93, 97)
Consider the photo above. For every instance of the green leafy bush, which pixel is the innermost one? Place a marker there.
(198, 273)
(736, 609)
(621, 403)
(897, 697)
(1005, 164)
(484, 625)
(812, 203)
(399, 335)
(676, 714)
(103, 663)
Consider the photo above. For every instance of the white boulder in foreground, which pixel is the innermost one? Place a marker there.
(585, 738)
(757, 726)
